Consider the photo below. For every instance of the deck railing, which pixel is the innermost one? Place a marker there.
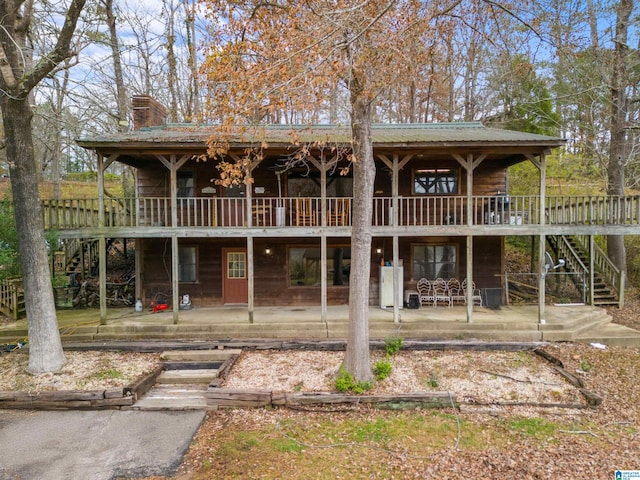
(12, 298)
(307, 211)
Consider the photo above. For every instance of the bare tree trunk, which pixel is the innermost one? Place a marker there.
(618, 146)
(172, 63)
(194, 105)
(121, 90)
(357, 361)
(56, 159)
(45, 347)
(17, 82)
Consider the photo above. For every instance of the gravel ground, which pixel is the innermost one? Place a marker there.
(478, 377)
(83, 371)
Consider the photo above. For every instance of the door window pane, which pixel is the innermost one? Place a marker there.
(236, 265)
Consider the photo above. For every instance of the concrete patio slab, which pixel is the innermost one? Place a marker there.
(508, 323)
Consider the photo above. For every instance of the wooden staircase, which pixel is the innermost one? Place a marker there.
(608, 282)
(81, 257)
(185, 380)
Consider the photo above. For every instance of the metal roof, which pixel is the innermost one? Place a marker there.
(443, 134)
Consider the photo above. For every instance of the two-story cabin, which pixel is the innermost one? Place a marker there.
(283, 238)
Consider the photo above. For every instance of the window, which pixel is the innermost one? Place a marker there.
(236, 265)
(187, 264)
(305, 264)
(435, 181)
(308, 184)
(185, 184)
(434, 261)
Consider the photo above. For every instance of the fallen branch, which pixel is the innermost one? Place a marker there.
(517, 379)
(579, 432)
(548, 357)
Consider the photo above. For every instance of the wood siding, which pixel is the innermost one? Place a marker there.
(272, 276)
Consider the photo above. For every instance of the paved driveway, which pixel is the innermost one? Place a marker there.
(93, 445)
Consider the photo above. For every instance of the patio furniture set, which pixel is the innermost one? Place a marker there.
(447, 292)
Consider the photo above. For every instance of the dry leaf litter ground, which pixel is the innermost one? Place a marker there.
(483, 442)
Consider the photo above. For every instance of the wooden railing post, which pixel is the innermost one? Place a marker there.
(15, 308)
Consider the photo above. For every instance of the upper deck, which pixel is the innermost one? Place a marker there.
(296, 216)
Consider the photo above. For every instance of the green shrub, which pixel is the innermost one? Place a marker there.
(392, 345)
(346, 383)
(433, 381)
(382, 369)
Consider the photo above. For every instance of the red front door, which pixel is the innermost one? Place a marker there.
(235, 286)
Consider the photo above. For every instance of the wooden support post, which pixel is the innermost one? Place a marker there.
(248, 187)
(395, 165)
(542, 281)
(396, 261)
(102, 268)
(469, 169)
(250, 279)
(323, 239)
(323, 276)
(469, 291)
(175, 275)
(469, 164)
(175, 279)
(138, 267)
(14, 308)
(102, 244)
(542, 241)
(591, 270)
(541, 164)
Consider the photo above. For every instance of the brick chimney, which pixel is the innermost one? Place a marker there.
(147, 112)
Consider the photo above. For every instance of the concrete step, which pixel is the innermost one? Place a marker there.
(186, 377)
(218, 355)
(173, 397)
(611, 334)
(569, 330)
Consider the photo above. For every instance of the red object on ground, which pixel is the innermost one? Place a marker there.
(160, 306)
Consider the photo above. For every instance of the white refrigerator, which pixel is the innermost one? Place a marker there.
(386, 287)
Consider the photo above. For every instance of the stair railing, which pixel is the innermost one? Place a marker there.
(12, 298)
(71, 248)
(603, 264)
(573, 262)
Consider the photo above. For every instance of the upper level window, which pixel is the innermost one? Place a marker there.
(435, 181)
(185, 183)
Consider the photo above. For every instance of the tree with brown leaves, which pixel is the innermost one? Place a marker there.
(266, 59)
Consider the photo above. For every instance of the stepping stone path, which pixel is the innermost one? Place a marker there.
(186, 377)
